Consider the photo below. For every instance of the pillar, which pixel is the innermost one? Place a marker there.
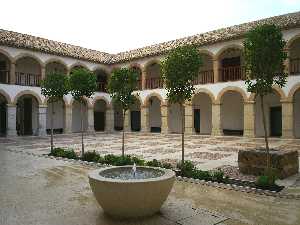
(216, 70)
(145, 127)
(127, 125)
(12, 75)
(11, 120)
(164, 119)
(43, 72)
(287, 62)
(42, 120)
(216, 120)
(144, 79)
(109, 120)
(249, 119)
(68, 119)
(287, 118)
(91, 119)
(188, 117)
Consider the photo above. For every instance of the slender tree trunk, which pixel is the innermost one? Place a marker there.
(182, 133)
(81, 127)
(265, 132)
(52, 114)
(123, 134)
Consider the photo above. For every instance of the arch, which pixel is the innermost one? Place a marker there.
(291, 40)
(152, 61)
(64, 99)
(98, 98)
(138, 98)
(293, 90)
(78, 64)
(24, 55)
(87, 100)
(231, 46)
(3, 52)
(101, 68)
(231, 88)
(6, 96)
(136, 65)
(146, 102)
(57, 60)
(207, 52)
(277, 90)
(206, 91)
(28, 92)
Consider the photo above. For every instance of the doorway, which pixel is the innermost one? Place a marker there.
(276, 121)
(197, 120)
(135, 117)
(3, 111)
(99, 121)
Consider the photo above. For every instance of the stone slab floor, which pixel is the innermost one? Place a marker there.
(43, 191)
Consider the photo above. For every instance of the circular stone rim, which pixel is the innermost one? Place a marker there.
(95, 174)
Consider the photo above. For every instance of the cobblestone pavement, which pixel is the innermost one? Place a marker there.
(43, 191)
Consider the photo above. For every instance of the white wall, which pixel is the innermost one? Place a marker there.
(76, 119)
(154, 113)
(203, 102)
(232, 111)
(58, 117)
(297, 114)
(174, 118)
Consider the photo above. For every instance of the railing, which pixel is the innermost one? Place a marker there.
(153, 83)
(204, 77)
(28, 79)
(139, 85)
(4, 76)
(232, 73)
(102, 86)
(294, 66)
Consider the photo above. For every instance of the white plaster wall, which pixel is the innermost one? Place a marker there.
(203, 102)
(76, 119)
(232, 111)
(297, 114)
(154, 113)
(174, 118)
(58, 117)
(271, 100)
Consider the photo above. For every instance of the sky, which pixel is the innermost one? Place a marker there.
(119, 25)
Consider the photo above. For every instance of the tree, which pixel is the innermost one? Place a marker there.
(83, 84)
(264, 63)
(54, 87)
(121, 86)
(180, 68)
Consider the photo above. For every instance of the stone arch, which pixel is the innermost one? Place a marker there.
(97, 98)
(231, 88)
(223, 49)
(293, 90)
(206, 91)
(101, 68)
(146, 101)
(276, 89)
(291, 40)
(24, 55)
(28, 92)
(5, 53)
(58, 60)
(151, 61)
(87, 101)
(6, 96)
(207, 52)
(80, 64)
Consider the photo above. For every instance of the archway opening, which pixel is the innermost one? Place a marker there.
(27, 121)
(76, 116)
(135, 116)
(153, 76)
(154, 114)
(174, 118)
(296, 107)
(139, 72)
(295, 57)
(231, 65)
(118, 116)
(99, 115)
(206, 74)
(232, 113)
(4, 69)
(3, 115)
(202, 110)
(102, 78)
(273, 113)
(58, 117)
(56, 67)
(28, 72)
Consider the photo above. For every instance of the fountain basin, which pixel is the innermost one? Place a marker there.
(123, 196)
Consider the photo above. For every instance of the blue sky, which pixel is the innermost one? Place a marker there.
(118, 25)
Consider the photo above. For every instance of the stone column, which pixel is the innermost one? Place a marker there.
(287, 62)
(43, 72)
(216, 70)
(109, 120)
(287, 118)
(145, 126)
(164, 119)
(11, 120)
(68, 119)
(249, 119)
(127, 124)
(91, 119)
(188, 116)
(216, 120)
(12, 73)
(144, 78)
(42, 120)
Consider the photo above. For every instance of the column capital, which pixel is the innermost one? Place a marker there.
(11, 105)
(43, 106)
(249, 102)
(287, 100)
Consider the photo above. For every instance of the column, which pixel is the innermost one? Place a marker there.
(164, 119)
(91, 119)
(188, 116)
(144, 79)
(216, 120)
(42, 120)
(12, 75)
(68, 119)
(109, 120)
(216, 70)
(249, 119)
(287, 62)
(145, 126)
(11, 120)
(287, 118)
(43, 72)
(127, 125)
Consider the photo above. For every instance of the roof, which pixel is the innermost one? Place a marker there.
(25, 41)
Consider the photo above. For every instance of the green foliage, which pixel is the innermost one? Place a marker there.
(55, 86)
(153, 163)
(264, 57)
(83, 83)
(180, 68)
(91, 156)
(121, 85)
(187, 168)
(265, 181)
(122, 161)
(65, 153)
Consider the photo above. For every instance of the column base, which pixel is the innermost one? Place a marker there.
(217, 133)
(249, 133)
